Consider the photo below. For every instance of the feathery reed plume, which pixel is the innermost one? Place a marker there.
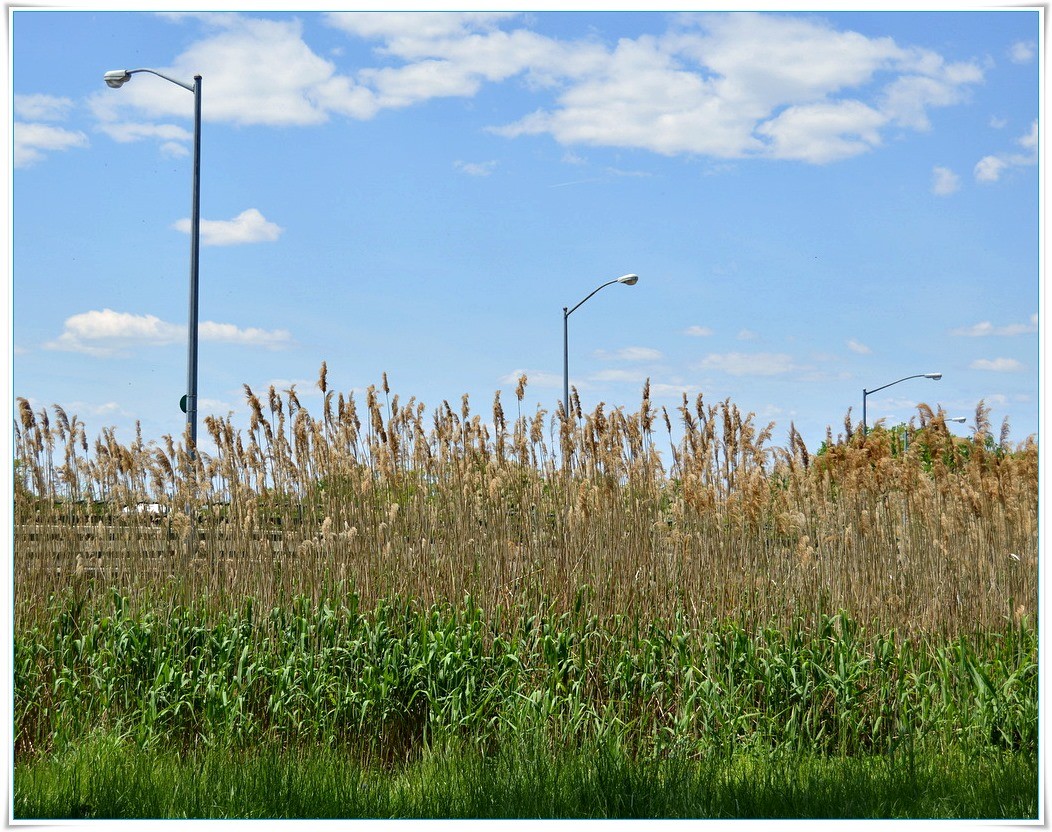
(25, 413)
(1003, 438)
(293, 400)
(797, 448)
(982, 422)
(61, 418)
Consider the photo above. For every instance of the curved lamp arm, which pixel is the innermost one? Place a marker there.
(865, 392)
(118, 77)
(628, 280)
(932, 376)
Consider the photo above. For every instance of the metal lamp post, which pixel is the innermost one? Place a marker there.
(865, 427)
(115, 79)
(628, 280)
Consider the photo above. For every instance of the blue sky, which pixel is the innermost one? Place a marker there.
(815, 203)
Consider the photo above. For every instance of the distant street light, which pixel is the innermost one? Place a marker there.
(906, 434)
(117, 78)
(628, 280)
(865, 392)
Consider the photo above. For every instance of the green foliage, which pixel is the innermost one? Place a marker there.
(397, 679)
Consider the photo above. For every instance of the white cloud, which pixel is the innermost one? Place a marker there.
(250, 337)
(638, 97)
(174, 150)
(42, 107)
(535, 378)
(907, 99)
(129, 131)
(412, 34)
(629, 376)
(820, 133)
(663, 390)
(424, 55)
(749, 364)
(305, 387)
(247, 227)
(698, 331)
(723, 85)
(476, 168)
(858, 346)
(984, 328)
(747, 335)
(107, 333)
(997, 365)
(407, 85)
(106, 409)
(306, 90)
(34, 140)
(575, 182)
(1029, 142)
(990, 168)
(1022, 52)
(631, 354)
(637, 174)
(639, 354)
(746, 84)
(944, 181)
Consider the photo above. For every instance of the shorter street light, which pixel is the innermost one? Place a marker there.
(628, 280)
(865, 392)
(958, 419)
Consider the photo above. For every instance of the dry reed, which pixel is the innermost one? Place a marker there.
(939, 537)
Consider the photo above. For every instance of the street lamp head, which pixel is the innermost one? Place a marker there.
(629, 279)
(933, 376)
(117, 77)
(958, 419)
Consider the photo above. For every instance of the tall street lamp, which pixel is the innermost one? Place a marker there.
(865, 392)
(117, 78)
(628, 280)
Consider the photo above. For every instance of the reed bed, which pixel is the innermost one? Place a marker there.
(386, 500)
(621, 598)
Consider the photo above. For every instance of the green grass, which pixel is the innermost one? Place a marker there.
(106, 778)
(325, 709)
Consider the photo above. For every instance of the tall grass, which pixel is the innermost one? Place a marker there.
(384, 498)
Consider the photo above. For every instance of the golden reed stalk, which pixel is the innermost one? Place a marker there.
(940, 537)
